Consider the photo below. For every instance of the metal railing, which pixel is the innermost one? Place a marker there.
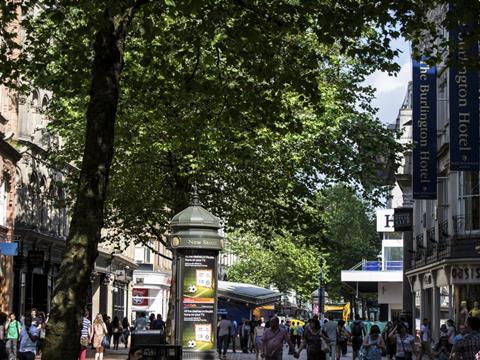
(459, 242)
(387, 266)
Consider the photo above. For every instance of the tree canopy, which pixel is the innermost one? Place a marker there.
(259, 101)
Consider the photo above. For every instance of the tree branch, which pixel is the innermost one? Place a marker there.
(195, 68)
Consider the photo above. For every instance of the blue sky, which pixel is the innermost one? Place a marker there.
(391, 90)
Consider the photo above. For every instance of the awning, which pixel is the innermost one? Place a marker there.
(247, 293)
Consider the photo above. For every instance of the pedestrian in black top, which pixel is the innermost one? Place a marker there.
(126, 331)
(116, 332)
(357, 336)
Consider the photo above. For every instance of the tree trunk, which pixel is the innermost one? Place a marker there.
(70, 296)
(180, 192)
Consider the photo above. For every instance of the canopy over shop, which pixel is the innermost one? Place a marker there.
(238, 300)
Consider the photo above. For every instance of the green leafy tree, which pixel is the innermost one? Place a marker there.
(281, 263)
(266, 50)
(349, 232)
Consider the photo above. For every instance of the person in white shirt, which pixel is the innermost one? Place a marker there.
(141, 323)
(330, 329)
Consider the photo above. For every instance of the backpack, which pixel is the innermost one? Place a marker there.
(357, 328)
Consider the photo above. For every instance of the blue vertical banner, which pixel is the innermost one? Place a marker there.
(463, 90)
(424, 116)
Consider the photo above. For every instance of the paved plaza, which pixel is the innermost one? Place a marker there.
(123, 354)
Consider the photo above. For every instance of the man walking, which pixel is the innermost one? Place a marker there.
(300, 331)
(330, 328)
(234, 334)
(28, 340)
(357, 336)
(294, 333)
(273, 339)
(224, 333)
(13, 328)
(159, 324)
(244, 334)
(425, 337)
(141, 323)
(469, 346)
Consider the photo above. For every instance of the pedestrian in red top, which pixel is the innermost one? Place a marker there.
(273, 339)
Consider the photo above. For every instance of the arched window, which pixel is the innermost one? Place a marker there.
(35, 103)
(33, 196)
(44, 102)
(4, 200)
(43, 203)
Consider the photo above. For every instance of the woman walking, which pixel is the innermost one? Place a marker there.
(100, 332)
(258, 336)
(126, 331)
(404, 343)
(373, 344)
(117, 331)
(41, 326)
(342, 339)
(312, 341)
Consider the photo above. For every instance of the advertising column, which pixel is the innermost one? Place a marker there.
(199, 300)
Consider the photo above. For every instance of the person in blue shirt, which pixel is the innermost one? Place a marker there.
(28, 340)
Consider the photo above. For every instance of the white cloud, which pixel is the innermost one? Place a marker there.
(384, 83)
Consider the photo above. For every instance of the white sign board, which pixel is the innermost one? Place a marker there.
(385, 222)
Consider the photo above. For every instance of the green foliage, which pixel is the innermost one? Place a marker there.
(258, 133)
(281, 262)
(338, 231)
(349, 232)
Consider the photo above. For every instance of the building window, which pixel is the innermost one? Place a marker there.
(3, 203)
(470, 200)
(392, 236)
(393, 258)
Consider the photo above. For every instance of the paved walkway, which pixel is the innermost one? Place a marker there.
(123, 354)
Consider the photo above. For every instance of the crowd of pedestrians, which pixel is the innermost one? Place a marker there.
(267, 338)
(104, 334)
(327, 339)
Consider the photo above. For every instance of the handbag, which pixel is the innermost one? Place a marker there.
(84, 341)
(325, 346)
(105, 342)
(407, 354)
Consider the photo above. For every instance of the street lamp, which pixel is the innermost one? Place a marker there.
(321, 291)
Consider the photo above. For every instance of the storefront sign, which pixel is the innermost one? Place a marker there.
(140, 297)
(199, 285)
(403, 219)
(464, 117)
(9, 248)
(424, 119)
(427, 281)
(465, 274)
(385, 220)
(36, 257)
(178, 242)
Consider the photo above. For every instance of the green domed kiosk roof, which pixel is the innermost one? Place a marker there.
(195, 216)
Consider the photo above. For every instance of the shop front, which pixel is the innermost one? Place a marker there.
(111, 283)
(151, 292)
(446, 290)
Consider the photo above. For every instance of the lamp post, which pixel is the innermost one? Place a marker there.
(321, 292)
